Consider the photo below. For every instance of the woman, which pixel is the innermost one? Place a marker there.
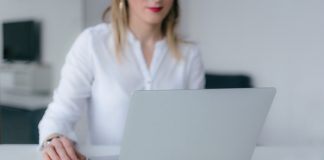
(139, 50)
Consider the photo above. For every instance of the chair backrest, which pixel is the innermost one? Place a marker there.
(214, 81)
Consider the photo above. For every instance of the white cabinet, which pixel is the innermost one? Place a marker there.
(25, 78)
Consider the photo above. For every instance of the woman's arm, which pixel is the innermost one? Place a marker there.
(196, 70)
(72, 95)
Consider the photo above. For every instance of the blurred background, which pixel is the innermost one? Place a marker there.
(249, 43)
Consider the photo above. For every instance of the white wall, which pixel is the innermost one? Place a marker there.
(281, 44)
(61, 20)
(94, 10)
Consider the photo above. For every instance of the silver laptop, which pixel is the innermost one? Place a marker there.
(216, 124)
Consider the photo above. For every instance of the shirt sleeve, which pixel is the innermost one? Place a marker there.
(196, 70)
(72, 95)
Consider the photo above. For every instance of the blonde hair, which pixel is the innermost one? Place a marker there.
(119, 19)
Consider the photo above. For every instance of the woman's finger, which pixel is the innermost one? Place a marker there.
(81, 156)
(60, 150)
(49, 149)
(69, 148)
(45, 156)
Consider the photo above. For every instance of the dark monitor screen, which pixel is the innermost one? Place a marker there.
(21, 41)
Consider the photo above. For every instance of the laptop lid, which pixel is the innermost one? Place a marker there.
(215, 124)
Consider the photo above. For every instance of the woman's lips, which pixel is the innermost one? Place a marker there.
(155, 9)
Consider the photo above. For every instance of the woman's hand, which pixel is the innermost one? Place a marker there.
(58, 147)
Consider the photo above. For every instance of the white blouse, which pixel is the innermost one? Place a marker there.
(92, 78)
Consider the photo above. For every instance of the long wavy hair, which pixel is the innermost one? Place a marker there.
(118, 15)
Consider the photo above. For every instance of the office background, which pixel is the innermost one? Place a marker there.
(278, 43)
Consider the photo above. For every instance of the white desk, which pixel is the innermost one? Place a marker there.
(30, 152)
(17, 152)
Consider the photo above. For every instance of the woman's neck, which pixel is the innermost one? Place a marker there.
(145, 33)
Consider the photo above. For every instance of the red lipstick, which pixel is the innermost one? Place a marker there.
(155, 9)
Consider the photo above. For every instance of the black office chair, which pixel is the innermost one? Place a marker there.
(214, 81)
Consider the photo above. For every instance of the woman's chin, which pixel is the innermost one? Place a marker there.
(154, 21)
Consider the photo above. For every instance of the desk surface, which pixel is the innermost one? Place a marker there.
(16, 152)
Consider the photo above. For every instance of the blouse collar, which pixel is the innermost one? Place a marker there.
(133, 40)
